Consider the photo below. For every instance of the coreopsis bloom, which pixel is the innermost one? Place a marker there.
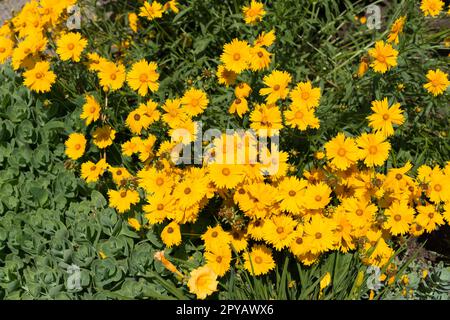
(95, 61)
(239, 106)
(226, 175)
(91, 110)
(301, 117)
(304, 94)
(431, 7)
(6, 49)
(23, 54)
(133, 21)
(143, 76)
(317, 196)
(112, 76)
(279, 231)
(219, 259)
(320, 234)
(260, 58)
(438, 82)
(239, 240)
(265, 119)
(396, 29)
(265, 39)
(75, 146)
(254, 12)
(215, 237)
(40, 78)
(439, 189)
(175, 114)
(225, 76)
(70, 46)
(134, 223)
(277, 83)
(363, 66)
(92, 171)
(172, 5)
(122, 199)
(119, 174)
(137, 120)
(104, 136)
(242, 90)
(429, 218)
(171, 234)
(132, 146)
(400, 216)
(151, 11)
(203, 282)
(150, 109)
(259, 260)
(342, 151)
(384, 57)
(194, 101)
(374, 150)
(236, 55)
(384, 117)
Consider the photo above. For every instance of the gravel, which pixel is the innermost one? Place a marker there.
(7, 7)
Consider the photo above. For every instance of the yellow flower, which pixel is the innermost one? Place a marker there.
(151, 11)
(305, 95)
(239, 106)
(384, 116)
(317, 196)
(439, 189)
(134, 223)
(91, 110)
(122, 199)
(6, 48)
(70, 46)
(137, 120)
(320, 235)
(259, 260)
(431, 7)
(194, 101)
(279, 231)
(215, 237)
(95, 61)
(119, 174)
(290, 191)
(301, 117)
(40, 78)
(236, 55)
(131, 147)
(143, 76)
(254, 12)
(92, 171)
(226, 175)
(174, 115)
(104, 136)
(218, 259)
(399, 218)
(373, 148)
(202, 282)
(363, 67)
(385, 57)
(112, 76)
(325, 281)
(172, 5)
(396, 29)
(75, 146)
(260, 58)
(239, 240)
(429, 218)
(265, 119)
(277, 83)
(265, 39)
(225, 76)
(242, 90)
(438, 82)
(133, 21)
(171, 235)
(342, 151)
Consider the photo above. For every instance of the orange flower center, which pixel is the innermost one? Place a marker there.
(77, 146)
(373, 149)
(143, 78)
(119, 172)
(398, 176)
(299, 241)
(123, 194)
(292, 193)
(219, 259)
(226, 171)
(359, 212)
(195, 102)
(341, 152)
(317, 198)
(305, 95)
(113, 76)
(93, 168)
(236, 56)
(276, 87)
(160, 206)
(397, 217)
(385, 116)
(299, 115)
(381, 58)
(318, 235)
(137, 117)
(39, 75)
(92, 110)
(258, 260)
(437, 188)
(280, 230)
(159, 181)
(170, 230)
(2, 49)
(260, 54)
(214, 234)
(431, 215)
(70, 46)
(187, 191)
(237, 101)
